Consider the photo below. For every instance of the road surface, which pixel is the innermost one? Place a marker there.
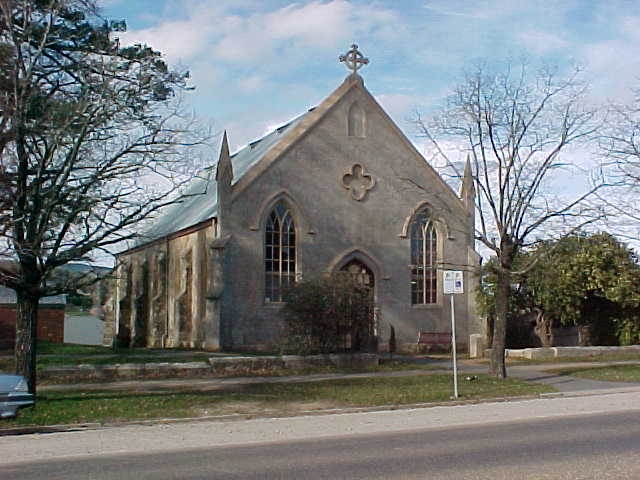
(590, 437)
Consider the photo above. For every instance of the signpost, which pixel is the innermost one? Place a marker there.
(453, 285)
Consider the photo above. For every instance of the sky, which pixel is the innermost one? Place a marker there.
(257, 64)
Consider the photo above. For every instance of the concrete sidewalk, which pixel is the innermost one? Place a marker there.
(566, 383)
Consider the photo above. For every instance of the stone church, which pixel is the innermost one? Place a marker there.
(339, 188)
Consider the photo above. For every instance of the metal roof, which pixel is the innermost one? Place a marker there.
(199, 201)
(8, 297)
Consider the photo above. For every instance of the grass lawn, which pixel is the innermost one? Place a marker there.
(261, 399)
(614, 373)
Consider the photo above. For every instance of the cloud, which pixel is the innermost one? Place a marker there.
(253, 35)
(251, 48)
(251, 83)
(315, 24)
(399, 106)
(474, 10)
(177, 40)
(445, 9)
(614, 63)
(291, 30)
(631, 28)
(204, 73)
(540, 42)
(280, 56)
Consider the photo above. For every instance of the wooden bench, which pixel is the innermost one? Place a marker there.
(430, 339)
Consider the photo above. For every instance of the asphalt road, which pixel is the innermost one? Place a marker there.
(598, 446)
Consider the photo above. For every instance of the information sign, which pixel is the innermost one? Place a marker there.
(452, 282)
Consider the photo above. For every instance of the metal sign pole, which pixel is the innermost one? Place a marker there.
(453, 284)
(453, 349)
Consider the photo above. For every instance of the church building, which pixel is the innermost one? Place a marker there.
(339, 188)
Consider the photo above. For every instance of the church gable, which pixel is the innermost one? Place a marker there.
(348, 147)
(356, 104)
(340, 188)
(356, 115)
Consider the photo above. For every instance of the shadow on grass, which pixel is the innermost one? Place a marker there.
(56, 408)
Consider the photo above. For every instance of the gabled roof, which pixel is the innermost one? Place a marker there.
(306, 123)
(199, 201)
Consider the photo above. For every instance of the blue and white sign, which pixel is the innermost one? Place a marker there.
(453, 282)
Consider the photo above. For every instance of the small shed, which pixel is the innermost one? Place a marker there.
(50, 318)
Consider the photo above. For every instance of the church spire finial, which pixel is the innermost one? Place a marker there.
(353, 59)
(468, 196)
(468, 188)
(224, 162)
(467, 177)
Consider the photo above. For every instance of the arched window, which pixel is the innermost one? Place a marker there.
(279, 253)
(424, 281)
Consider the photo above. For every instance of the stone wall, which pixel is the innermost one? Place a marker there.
(569, 352)
(333, 227)
(216, 367)
(160, 293)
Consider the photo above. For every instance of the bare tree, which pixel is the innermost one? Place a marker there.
(516, 128)
(90, 136)
(620, 145)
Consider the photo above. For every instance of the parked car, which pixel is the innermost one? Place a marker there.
(14, 395)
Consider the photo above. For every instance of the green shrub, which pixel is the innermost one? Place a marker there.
(326, 315)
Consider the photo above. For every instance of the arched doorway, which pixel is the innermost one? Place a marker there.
(362, 336)
(361, 273)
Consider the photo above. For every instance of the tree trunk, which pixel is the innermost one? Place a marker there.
(543, 329)
(497, 366)
(26, 336)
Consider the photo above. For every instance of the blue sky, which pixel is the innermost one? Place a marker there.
(256, 64)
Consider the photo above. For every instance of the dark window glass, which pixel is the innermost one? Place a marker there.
(280, 258)
(423, 259)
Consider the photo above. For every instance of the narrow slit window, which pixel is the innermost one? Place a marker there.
(356, 121)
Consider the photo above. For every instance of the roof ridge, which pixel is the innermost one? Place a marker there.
(277, 130)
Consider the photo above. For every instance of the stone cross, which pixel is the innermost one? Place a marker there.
(354, 59)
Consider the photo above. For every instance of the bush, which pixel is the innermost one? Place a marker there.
(589, 280)
(327, 315)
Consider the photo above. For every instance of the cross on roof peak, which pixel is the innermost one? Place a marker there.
(353, 59)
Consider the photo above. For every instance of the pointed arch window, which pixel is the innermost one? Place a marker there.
(424, 241)
(280, 252)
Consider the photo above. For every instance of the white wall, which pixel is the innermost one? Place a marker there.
(83, 329)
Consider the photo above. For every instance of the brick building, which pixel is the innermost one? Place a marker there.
(50, 318)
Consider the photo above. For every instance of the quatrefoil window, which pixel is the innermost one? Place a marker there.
(358, 182)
